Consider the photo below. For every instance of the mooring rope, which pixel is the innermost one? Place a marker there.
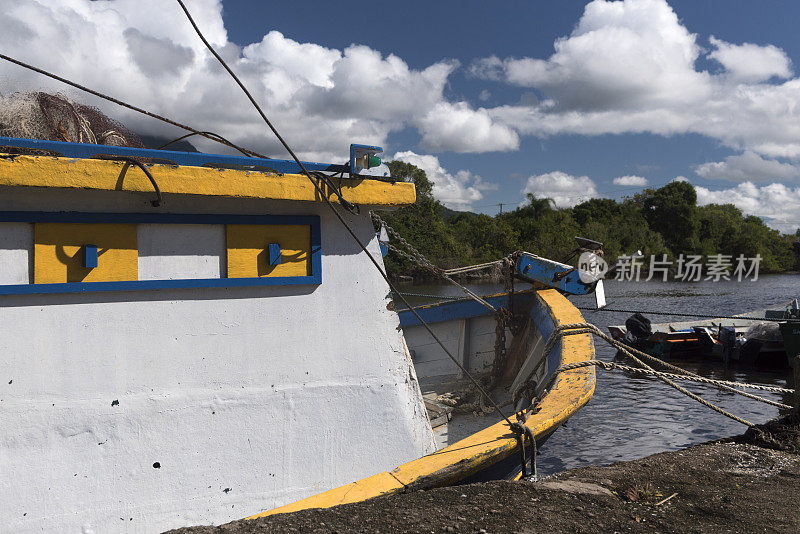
(608, 366)
(676, 314)
(473, 268)
(417, 257)
(588, 328)
(428, 296)
(633, 352)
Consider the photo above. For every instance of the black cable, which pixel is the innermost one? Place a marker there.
(211, 135)
(328, 180)
(341, 219)
(118, 102)
(305, 171)
(253, 101)
(131, 161)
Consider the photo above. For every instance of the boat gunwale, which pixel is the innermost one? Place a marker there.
(20, 170)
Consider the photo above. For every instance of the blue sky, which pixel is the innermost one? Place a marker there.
(423, 33)
(563, 99)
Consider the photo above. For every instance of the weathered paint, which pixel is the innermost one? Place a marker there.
(58, 255)
(492, 445)
(460, 309)
(554, 274)
(474, 347)
(45, 171)
(276, 392)
(249, 248)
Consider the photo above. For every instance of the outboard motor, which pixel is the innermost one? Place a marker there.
(639, 329)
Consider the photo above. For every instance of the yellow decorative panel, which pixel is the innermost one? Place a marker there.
(248, 250)
(58, 252)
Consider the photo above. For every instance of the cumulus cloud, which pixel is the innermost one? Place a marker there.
(322, 99)
(459, 128)
(565, 190)
(456, 191)
(620, 55)
(776, 203)
(630, 67)
(639, 181)
(750, 62)
(748, 167)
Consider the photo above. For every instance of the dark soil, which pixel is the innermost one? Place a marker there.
(728, 486)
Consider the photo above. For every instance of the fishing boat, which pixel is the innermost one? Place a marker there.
(480, 446)
(766, 338)
(204, 341)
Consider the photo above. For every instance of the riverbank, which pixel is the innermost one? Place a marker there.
(723, 486)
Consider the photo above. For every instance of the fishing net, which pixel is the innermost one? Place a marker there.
(54, 117)
(767, 331)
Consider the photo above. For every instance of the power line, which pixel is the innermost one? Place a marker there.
(611, 191)
(514, 426)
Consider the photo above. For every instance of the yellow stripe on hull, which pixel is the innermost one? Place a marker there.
(572, 390)
(45, 171)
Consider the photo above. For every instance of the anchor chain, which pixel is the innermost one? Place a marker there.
(504, 318)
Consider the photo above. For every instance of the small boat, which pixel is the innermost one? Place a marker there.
(746, 338)
(204, 341)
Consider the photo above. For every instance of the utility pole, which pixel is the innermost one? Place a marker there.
(501, 207)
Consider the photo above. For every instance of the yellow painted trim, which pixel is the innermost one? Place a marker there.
(362, 490)
(248, 254)
(572, 390)
(58, 252)
(46, 171)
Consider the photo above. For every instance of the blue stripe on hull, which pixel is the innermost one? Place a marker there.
(462, 309)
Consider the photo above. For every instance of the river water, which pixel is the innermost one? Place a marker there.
(629, 418)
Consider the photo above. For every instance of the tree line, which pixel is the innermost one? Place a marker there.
(659, 221)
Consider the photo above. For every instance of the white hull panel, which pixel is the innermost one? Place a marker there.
(243, 398)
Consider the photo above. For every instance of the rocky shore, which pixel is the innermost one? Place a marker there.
(724, 486)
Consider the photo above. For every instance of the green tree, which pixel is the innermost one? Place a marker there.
(661, 221)
(671, 211)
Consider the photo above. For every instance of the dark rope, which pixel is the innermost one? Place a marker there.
(131, 161)
(350, 207)
(211, 135)
(676, 314)
(345, 224)
(522, 431)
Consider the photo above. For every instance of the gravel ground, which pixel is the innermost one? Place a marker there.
(729, 486)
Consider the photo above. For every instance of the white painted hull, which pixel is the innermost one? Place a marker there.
(141, 411)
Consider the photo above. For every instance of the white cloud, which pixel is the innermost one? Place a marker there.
(748, 167)
(631, 180)
(750, 62)
(456, 191)
(321, 99)
(630, 67)
(680, 179)
(462, 129)
(564, 189)
(620, 55)
(776, 203)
